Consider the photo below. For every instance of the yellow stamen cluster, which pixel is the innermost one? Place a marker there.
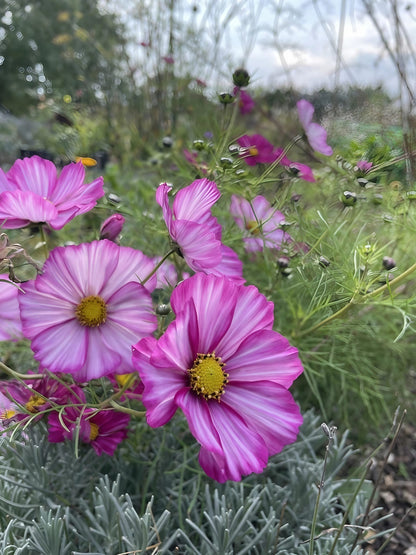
(207, 377)
(34, 402)
(91, 311)
(93, 431)
(253, 227)
(253, 151)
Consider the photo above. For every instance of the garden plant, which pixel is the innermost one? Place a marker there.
(206, 344)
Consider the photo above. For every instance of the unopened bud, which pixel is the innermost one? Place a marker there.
(162, 309)
(234, 149)
(198, 144)
(167, 142)
(411, 195)
(226, 98)
(388, 263)
(226, 163)
(111, 227)
(349, 198)
(324, 262)
(241, 77)
(283, 261)
(113, 198)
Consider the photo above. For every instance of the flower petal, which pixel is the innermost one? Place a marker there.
(19, 208)
(193, 202)
(243, 449)
(265, 355)
(269, 409)
(198, 244)
(33, 174)
(160, 383)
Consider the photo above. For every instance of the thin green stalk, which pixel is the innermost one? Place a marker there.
(359, 300)
(44, 242)
(132, 412)
(158, 265)
(330, 432)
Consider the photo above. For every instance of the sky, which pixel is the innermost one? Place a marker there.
(302, 52)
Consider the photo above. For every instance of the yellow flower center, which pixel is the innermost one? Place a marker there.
(253, 151)
(8, 413)
(207, 377)
(122, 379)
(93, 431)
(91, 311)
(253, 227)
(34, 402)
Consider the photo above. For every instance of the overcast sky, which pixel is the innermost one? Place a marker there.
(304, 40)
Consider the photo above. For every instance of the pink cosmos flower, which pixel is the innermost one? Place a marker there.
(196, 232)
(104, 429)
(257, 150)
(7, 411)
(31, 192)
(87, 308)
(300, 170)
(315, 133)
(364, 166)
(222, 364)
(168, 59)
(10, 323)
(36, 396)
(245, 102)
(260, 221)
(192, 158)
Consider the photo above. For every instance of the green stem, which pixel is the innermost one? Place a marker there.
(158, 265)
(44, 242)
(132, 412)
(387, 286)
(19, 376)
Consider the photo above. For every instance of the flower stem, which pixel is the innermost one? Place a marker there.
(158, 265)
(132, 412)
(19, 376)
(354, 301)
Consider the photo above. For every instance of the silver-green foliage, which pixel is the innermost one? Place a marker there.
(55, 504)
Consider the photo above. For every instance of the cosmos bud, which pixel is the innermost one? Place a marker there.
(241, 77)
(167, 142)
(226, 98)
(349, 198)
(388, 263)
(111, 227)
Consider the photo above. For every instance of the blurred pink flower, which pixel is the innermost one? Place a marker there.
(260, 221)
(364, 166)
(196, 232)
(257, 150)
(103, 429)
(112, 227)
(315, 133)
(31, 192)
(245, 102)
(10, 323)
(87, 308)
(300, 170)
(222, 364)
(192, 158)
(168, 59)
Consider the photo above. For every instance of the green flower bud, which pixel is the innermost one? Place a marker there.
(324, 262)
(226, 163)
(162, 309)
(411, 195)
(198, 144)
(234, 149)
(226, 98)
(377, 198)
(349, 198)
(241, 77)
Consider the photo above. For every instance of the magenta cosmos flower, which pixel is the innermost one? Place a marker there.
(260, 221)
(222, 364)
(257, 150)
(245, 102)
(103, 430)
(195, 232)
(87, 308)
(31, 192)
(10, 323)
(364, 166)
(315, 133)
(36, 396)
